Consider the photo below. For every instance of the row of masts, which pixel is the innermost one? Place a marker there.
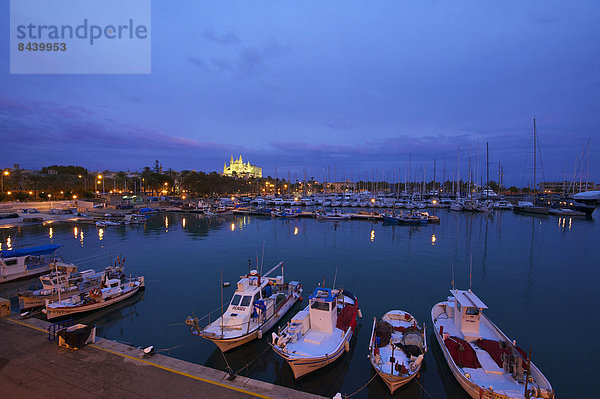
(413, 179)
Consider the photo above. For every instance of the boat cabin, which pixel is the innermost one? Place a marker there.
(14, 261)
(465, 309)
(323, 310)
(248, 299)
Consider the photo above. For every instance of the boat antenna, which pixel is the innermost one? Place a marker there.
(334, 278)
(263, 257)
(221, 301)
(249, 266)
(471, 272)
(453, 276)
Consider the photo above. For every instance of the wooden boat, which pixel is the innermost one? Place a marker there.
(397, 347)
(63, 284)
(258, 303)
(319, 334)
(485, 362)
(30, 262)
(115, 291)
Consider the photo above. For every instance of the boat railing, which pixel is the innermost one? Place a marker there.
(53, 329)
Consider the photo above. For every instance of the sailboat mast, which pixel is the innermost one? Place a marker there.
(534, 158)
(487, 169)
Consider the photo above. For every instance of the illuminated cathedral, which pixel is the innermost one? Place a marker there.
(240, 169)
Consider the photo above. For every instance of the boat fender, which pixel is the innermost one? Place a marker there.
(359, 314)
(347, 346)
(415, 365)
(259, 334)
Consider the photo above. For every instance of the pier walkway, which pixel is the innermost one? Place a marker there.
(33, 367)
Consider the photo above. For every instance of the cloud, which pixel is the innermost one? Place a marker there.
(246, 60)
(67, 133)
(223, 39)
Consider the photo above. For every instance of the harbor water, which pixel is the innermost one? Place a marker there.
(538, 275)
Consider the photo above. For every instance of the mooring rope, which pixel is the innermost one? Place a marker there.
(361, 388)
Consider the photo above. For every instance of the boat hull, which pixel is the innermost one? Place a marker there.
(26, 274)
(27, 302)
(52, 313)
(302, 366)
(395, 382)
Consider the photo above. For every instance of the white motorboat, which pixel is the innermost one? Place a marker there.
(319, 334)
(114, 291)
(334, 215)
(257, 305)
(485, 362)
(456, 206)
(30, 262)
(397, 347)
(502, 204)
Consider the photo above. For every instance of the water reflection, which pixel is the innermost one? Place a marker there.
(100, 234)
(516, 262)
(50, 233)
(565, 223)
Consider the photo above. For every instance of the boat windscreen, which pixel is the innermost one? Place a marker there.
(246, 301)
(320, 305)
(236, 300)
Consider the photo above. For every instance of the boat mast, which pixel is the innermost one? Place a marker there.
(534, 160)
(487, 168)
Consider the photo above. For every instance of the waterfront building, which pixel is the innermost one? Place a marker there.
(240, 169)
(566, 186)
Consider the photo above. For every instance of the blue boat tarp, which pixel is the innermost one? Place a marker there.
(39, 250)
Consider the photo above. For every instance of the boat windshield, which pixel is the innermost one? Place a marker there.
(472, 311)
(246, 301)
(236, 300)
(320, 305)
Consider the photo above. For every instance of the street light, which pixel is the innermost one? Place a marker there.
(5, 173)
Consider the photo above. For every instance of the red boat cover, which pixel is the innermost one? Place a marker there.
(462, 353)
(347, 317)
(495, 351)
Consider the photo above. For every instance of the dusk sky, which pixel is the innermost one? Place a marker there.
(353, 86)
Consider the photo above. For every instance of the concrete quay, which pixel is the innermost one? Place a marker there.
(33, 367)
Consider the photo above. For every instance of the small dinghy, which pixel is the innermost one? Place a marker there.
(319, 334)
(397, 347)
(485, 362)
(258, 303)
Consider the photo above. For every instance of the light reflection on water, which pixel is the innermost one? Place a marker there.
(524, 268)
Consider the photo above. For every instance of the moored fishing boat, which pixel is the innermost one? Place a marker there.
(397, 347)
(485, 362)
(115, 291)
(29, 262)
(258, 303)
(63, 284)
(319, 334)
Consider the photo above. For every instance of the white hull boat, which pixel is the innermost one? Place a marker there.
(319, 334)
(484, 361)
(115, 292)
(396, 348)
(22, 263)
(257, 305)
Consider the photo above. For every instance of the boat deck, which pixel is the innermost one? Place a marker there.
(315, 343)
(489, 374)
